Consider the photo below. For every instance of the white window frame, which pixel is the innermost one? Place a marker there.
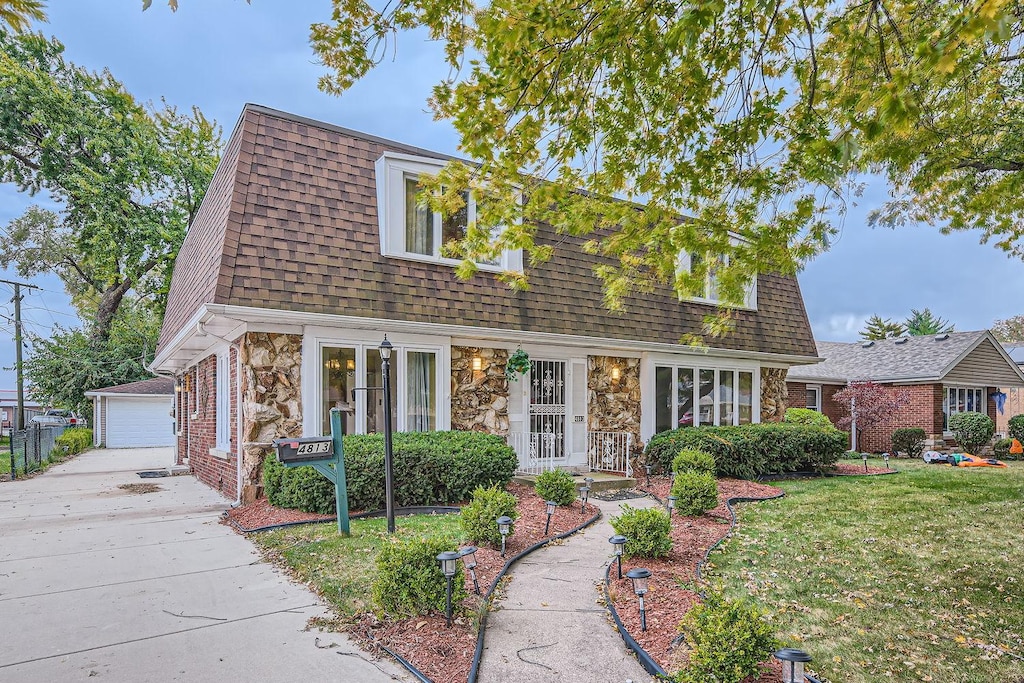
(683, 263)
(947, 406)
(718, 369)
(816, 388)
(314, 343)
(223, 398)
(392, 169)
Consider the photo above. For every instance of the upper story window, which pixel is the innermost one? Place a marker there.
(689, 261)
(410, 229)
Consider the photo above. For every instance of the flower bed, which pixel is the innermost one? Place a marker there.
(667, 602)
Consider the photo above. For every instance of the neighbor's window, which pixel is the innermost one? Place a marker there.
(814, 398)
(702, 396)
(962, 400)
(409, 229)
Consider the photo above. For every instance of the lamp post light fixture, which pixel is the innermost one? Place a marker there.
(551, 505)
(865, 456)
(389, 475)
(468, 555)
(792, 664)
(584, 495)
(449, 563)
(619, 543)
(640, 578)
(671, 505)
(504, 526)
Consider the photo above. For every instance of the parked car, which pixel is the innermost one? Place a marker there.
(59, 417)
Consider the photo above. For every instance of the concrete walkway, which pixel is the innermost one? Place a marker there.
(551, 625)
(98, 583)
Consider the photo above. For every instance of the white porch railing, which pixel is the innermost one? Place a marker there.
(537, 451)
(609, 451)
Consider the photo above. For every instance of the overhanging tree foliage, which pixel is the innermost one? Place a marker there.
(746, 116)
(127, 179)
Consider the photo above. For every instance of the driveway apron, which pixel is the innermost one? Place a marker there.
(106, 583)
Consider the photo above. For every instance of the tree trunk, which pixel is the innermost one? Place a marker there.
(110, 301)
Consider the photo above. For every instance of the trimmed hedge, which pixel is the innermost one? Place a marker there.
(694, 461)
(72, 441)
(646, 530)
(971, 430)
(557, 486)
(431, 468)
(478, 518)
(909, 440)
(408, 581)
(695, 492)
(747, 451)
(806, 416)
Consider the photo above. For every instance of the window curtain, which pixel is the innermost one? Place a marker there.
(421, 391)
(419, 234)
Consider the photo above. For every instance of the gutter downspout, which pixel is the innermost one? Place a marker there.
(177, 417)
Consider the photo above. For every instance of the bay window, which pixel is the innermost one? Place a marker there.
(962, 400)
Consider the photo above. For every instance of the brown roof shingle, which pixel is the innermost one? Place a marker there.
(290, 222)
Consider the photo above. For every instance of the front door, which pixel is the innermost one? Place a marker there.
(547, 409)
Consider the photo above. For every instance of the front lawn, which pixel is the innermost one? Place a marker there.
(908, 577)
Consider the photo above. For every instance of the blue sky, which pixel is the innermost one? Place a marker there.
(220, 54)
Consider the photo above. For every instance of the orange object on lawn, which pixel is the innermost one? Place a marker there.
(1016, 448)
(968, 460)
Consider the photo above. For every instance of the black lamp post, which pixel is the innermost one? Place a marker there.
(619, 543)
(584, 495)
(551, 505)
(792, 664)
(449, 561)
(389, 476)
(640, 578)
(468, 555)
(504, 526)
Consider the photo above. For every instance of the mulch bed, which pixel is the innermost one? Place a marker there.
(667, 602)
(444, 655)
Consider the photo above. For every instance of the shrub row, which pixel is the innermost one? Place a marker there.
(430, 468)
(72, 441)
(746, 451)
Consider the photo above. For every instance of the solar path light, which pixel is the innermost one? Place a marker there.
(468, 555)
(584, 495)
(619, 543)
(504, 526)
(551, 505)
(449, 564)
(640, 578)
(792, 664)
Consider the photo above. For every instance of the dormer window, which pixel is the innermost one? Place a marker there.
(688, 261)
(410, 229)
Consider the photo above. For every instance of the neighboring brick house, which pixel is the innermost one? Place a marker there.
(944, 374)
(310, 247)
(1014, 395)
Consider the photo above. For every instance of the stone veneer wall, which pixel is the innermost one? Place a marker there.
(271, 400)
(614, 406)
(773, 394)
(479, 397)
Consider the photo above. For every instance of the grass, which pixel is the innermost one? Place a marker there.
(341, 569)
(909, 577)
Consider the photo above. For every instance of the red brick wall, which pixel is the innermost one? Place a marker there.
(797, 395)
(198, 424)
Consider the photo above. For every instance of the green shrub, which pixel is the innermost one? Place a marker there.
(556, 485)
(746, 451)
(806, 416)
(72, 441)
(690, 460)
(728, 640)
(1015, 429)
(478, 517)
(971, 430)
(695, 492)
(408, 581)
(646, 531)
(909, 440)
(1002, 449)
(431, 468)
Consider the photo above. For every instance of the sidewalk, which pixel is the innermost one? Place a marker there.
(551, 624)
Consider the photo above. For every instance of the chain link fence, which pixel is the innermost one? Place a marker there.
(31, 447)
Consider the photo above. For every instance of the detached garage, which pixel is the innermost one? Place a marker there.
(134, 415)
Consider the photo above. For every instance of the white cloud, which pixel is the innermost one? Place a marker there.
(839, 327)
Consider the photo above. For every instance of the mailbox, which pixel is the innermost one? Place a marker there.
(304, 449)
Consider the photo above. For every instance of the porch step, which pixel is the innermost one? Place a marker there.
(603, 481)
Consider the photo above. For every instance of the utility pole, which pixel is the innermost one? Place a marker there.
(19, 419)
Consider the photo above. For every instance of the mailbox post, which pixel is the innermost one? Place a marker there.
(320, 452)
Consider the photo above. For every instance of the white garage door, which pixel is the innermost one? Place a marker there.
(134, 422)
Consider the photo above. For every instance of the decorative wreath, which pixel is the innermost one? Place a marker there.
(518, 364)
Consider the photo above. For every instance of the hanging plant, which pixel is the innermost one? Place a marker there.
(518, 365)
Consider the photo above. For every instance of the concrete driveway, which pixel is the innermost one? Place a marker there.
(105, 584)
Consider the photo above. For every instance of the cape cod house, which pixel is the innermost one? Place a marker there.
(943, 375)
(309, 248)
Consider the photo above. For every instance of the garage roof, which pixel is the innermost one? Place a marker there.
(158, 386)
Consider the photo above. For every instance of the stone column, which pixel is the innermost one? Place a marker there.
(773, 394)
(479, 397)
(271, 400)
(614, 405)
